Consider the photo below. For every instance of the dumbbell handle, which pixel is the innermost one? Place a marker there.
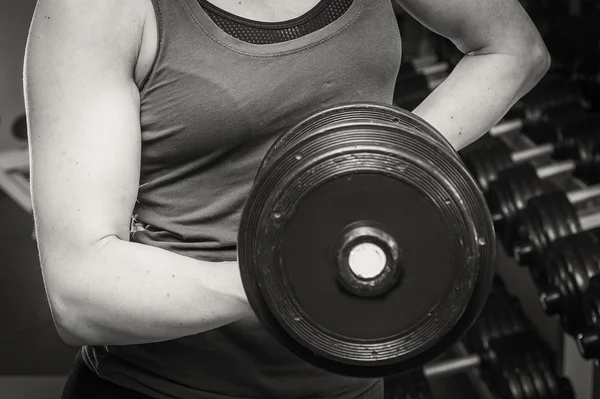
(450, 367)
(506, 127)
(555, 169)
(584, 194)
(589, 219)
(532, 153)
(424, 61)
(433, 69)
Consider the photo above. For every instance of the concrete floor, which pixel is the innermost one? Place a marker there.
(26, 387)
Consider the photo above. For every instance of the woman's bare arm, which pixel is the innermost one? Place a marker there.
(83, 108)
(505, 58)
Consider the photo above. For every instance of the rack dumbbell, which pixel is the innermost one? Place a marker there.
(588, 342)
(510, 192)
(550, 118)
(501, 316)
(554, 100)
(579, 141)
(545, 219)
(511, 357)
(515, 366)
(544, 132)
(582, 150)
(563, 274)
(490, 159)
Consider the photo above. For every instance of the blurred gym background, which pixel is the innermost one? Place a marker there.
(34, 362)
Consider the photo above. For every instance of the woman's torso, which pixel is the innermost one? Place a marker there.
(211, 106)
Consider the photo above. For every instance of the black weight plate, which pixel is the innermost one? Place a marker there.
(510, 193)
(570, 262)
(349, 113)
(486, 163)
(564, 114)
(543, 220)
(550, 92)
(557, 215)
(589, 171)
(554, 386)
(523, 243)
(523, 374)
(402, 179)
(579, 147)
(533, 368)
(588, 342)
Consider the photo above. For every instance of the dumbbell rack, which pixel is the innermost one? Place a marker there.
(583, 375)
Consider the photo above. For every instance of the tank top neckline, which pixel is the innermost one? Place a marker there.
(222, 38)
(284, 24)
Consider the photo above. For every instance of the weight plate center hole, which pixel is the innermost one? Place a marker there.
(367, 260)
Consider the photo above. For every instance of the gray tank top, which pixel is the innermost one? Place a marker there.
(211, 107)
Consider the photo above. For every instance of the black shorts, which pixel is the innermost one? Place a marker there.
(83, 383)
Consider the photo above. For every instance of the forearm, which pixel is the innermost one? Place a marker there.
(478, 93)
(127, 293)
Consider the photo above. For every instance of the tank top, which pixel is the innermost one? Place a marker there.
(211, 107)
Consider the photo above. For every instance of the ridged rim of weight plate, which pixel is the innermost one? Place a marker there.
(546, 218)
(354, 111)
(292, 165)
(488, 162)
(509, 193)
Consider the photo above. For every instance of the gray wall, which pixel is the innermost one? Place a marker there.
(15, 18)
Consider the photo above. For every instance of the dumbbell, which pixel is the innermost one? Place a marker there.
(545, 219)
(486, 162)
(501, 316)
(410, 385)
(322, 216)
(515, 186)
(551, 91)
(515, 366)
(509, 354)
(544, 132)
(588, 342)
(579, 141)
(554, 100)
(582, 151)
(552, 117)
(504, 319)
(563, 275)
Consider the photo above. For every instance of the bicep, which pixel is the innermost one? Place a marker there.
(83, 109)
(474, 25)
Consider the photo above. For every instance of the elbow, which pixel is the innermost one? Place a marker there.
(70, 326)
(537, 62)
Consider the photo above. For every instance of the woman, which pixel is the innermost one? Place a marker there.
(148, 121)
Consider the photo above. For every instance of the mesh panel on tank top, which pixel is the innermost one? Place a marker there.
(256, 32)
